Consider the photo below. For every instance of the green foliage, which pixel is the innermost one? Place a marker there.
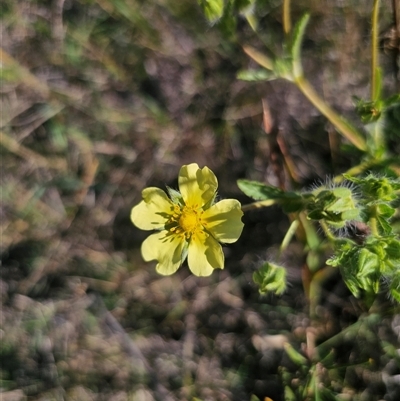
(295, 356)
(365, 267)
(290, 201)
(256, 75)
(376, 189)
(295, 42)
(270, 278)
(213, 9)
(335, 206)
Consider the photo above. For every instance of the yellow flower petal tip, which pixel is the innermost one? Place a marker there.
(189, 222)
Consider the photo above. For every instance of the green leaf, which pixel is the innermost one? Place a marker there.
(395, 287)
(290, 201)
(295, 44)
(384, 226)
(270, 278)
(369, 111)
(368, 263)
(289, 394)
(295, 356)
(256, 75)
(393, 249)
(259, 191)
(246, 8)
(213, 9)
(260, 58)
(385, 210)
(376, 189)
(392, 101)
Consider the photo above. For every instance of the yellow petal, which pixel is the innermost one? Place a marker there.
(166, 248)
(204, 254)
(223, 220)
(153, 211)
(197, 186)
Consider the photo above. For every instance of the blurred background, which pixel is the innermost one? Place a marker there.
(101, 99)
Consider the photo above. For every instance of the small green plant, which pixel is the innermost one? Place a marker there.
(364, 198)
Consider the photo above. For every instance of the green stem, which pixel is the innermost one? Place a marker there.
(351, 332)
(327, 231)
(374, 52)
(287, 23)
(344, 127)
(373, 224)
(289, 235)
(356, 170)
(257, 205)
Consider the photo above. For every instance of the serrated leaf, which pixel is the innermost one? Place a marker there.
(270, 278)
(385, 210)
(384, 226)
(368, 263)
(393, 249)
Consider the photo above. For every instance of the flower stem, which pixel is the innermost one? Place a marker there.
(374, 52)
(344, 127)
(327, 231)
(287, 23)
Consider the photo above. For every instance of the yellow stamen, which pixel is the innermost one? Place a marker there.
(189, 220)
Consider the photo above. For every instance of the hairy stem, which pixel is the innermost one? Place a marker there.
(327, 231)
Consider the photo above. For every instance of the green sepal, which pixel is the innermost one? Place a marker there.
(369, 111)
(175, 196)
(184, 252)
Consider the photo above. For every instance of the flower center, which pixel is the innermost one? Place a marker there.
(189, 220)
(185, 221)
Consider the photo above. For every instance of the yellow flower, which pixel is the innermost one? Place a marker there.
(189, 223)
